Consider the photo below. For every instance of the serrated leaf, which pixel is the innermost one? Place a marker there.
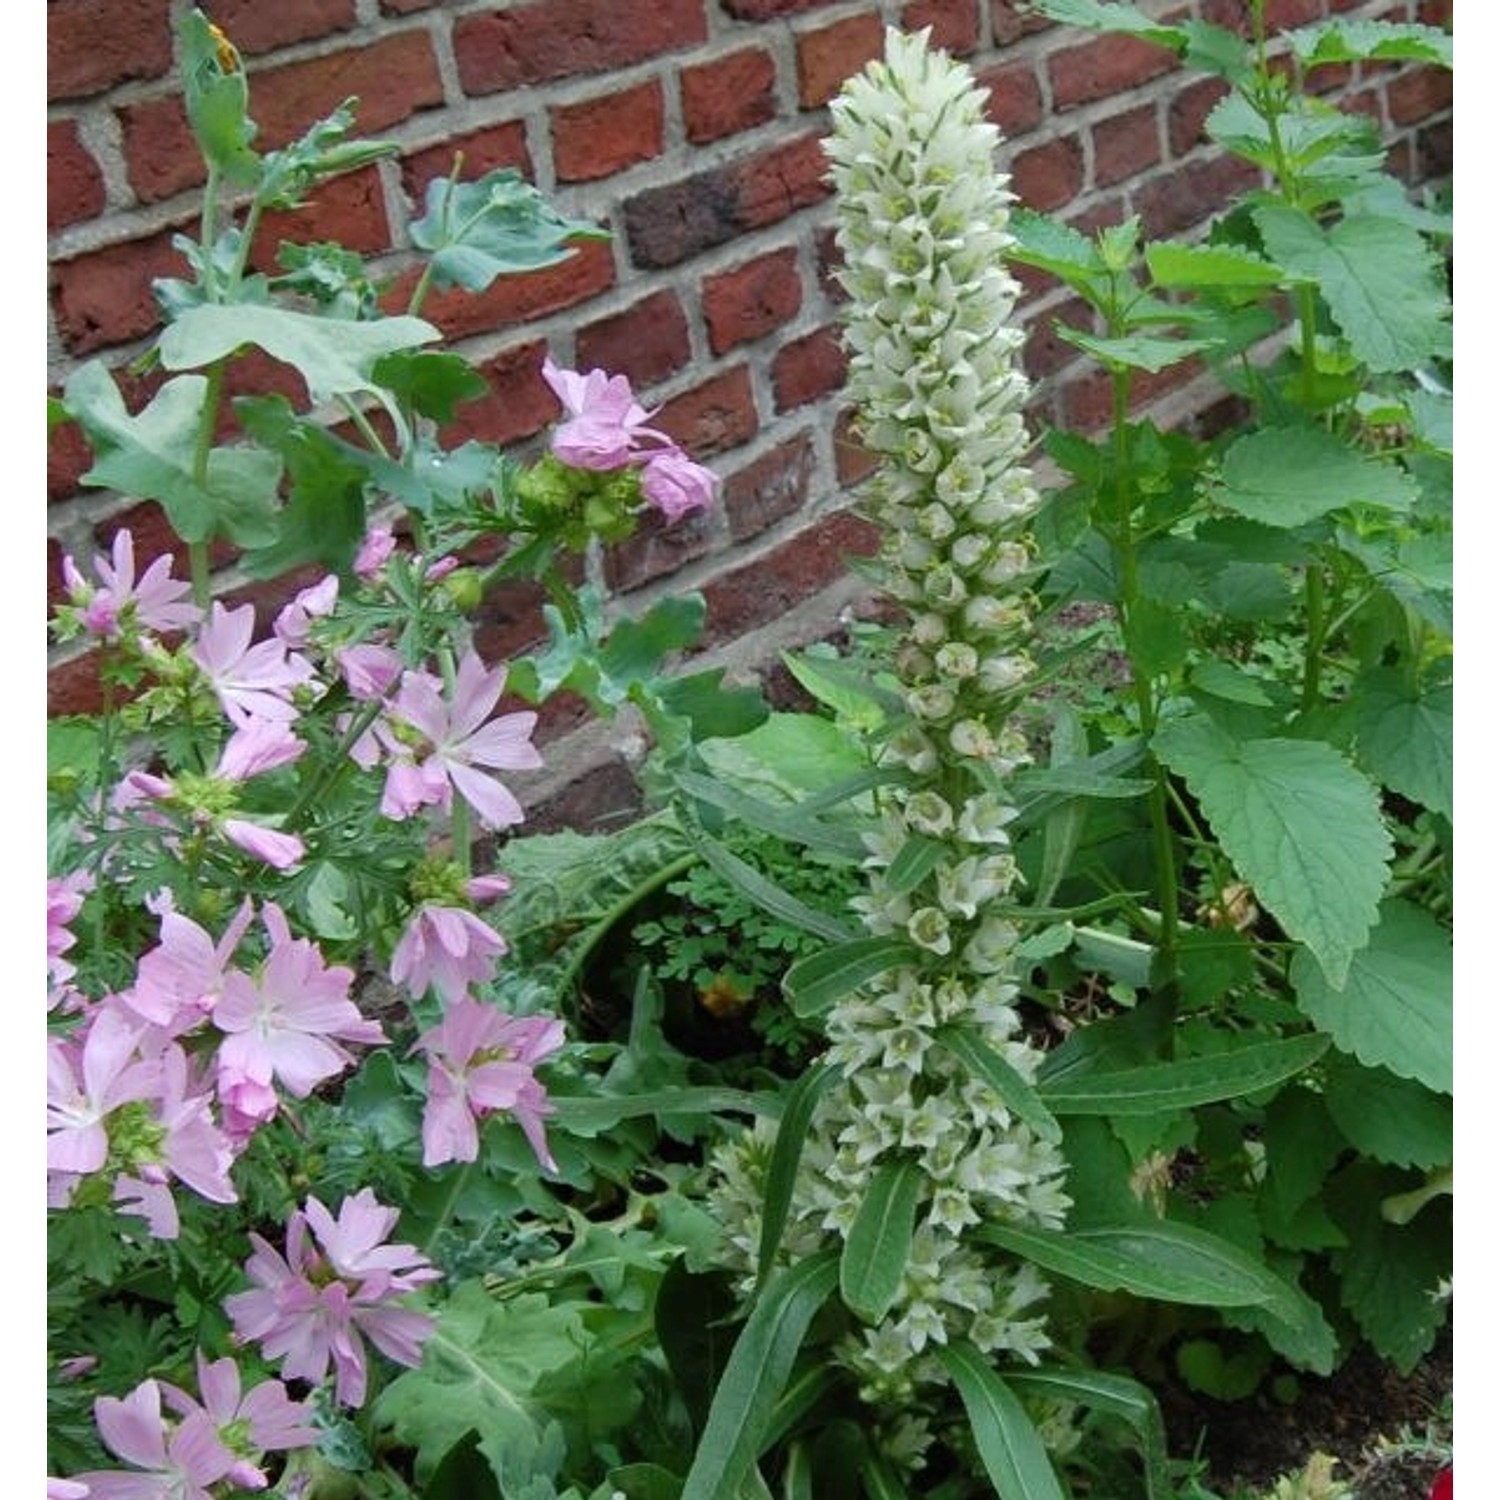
(1050, 245)
(1288, 476)
(1201, 267)
(1379, 277)
(1388, 1118)
(1138, 351)
(1347, 40)
(1155, 1088)
(1406, 737)
(1010, 1447)
(1301, 825)
(433, 383)
(1394, 1008)
(878, 1243)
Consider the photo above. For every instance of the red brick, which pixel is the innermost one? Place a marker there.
(765, 10)
(68, 456)
(508, 622)
(852, 461)
(1087, 401)
(104, 297)
(602, 136)
(513, 299)
(774, 584)
(808, 368)
(73, 687)
(1015, 102)
(1418, 94)
(1126, 144)
(152, 536)
(75, 185)
(745, 303)
(656, 550)
(955, 23)
(94, 44)
(256, 26)
(1282, 15)
(517, 405)
(780, 181)
(1104, 66)
(393, 78)
(646, 342)
(773, 486)
(1045, 352)
(1187, 112)
(161, 156)
(830, 260)
(1049, 177)
(349, 209)
(712, 417)
(487, 150)
(1013, 19)
(406, 7)
(546, 39)
(825, 58)
(1191, 193)
(728, 95)
(1437, 13)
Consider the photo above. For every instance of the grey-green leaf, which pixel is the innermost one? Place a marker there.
(814, 983)
(1301, 824)
(986, 1064)
(1287, 476)
(879, 1241)
(1394, 1008)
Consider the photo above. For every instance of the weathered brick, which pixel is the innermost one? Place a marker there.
(1045, 353)
(603, 798)
(1126, 144)
(74, 687)
(954, 23)
(75, 185)
(830, 259)
(104, 297)
(712, 417)
(513, 299)
(516, 405)
(669, 224)
(1191, 194)
(508, 622)
(1050, 176)
(1188, 110)
(406, 7)
(772, 486)
(547, 39)
(766, 10)
(602, 136)
(1418, 94)
(656, 550)
(853, 462)
(827, 56)
(68, 458)
(646, 342)
(1282, 15)
(809, 368)
(486, 150)
(1104, 66)
(748, 301)
(1013, 19)
(256, 26)
(161, 156)
(1015, 101)
(728, 94)
(152, 536)
(94, 44)
(349, 209)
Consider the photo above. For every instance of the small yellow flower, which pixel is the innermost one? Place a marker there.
(229, 59)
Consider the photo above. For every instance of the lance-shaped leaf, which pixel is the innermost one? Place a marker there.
(879, 1241)
(476, 231)
(814, 983)
(154, 455)
(985, 1063)
(781, 1175)
(1301, 824)
(1287, 476)
(1010, 1447)
(1394, 1009)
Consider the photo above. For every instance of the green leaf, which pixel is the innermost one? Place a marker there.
(1287, 476)
(1138, 351)
(1205, 267)
(495, 226)
(334, 356)
(878, 1244)
(590, 1116)
(987, 1065)
(781, 1174)
(755, 1376)
(791, 824)
(1379, 277)
(1394, 1008)
(154, 456)
(432, 383)
(843, 688)
(814, 983)
(1096, 15)
(1009, 1445)
(791, 756)
(216, 98)
(1347, 40)
(1405, 737)
(767, 894)
(1388, 1118)
(1155, 1088)
(1055, 247)
(1301, 824)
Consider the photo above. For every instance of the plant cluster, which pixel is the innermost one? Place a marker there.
(1086, 947)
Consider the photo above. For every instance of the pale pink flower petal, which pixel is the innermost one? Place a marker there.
(676, 486)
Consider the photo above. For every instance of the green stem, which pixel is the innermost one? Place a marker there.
(337, 764)
(450, 1202)
(208, 419)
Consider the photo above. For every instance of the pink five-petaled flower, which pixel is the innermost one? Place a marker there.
(170, 1462)
(604, 418)
(461, 744)
(676, 486)
(265, 1419)
(448, 947)
(316, 1306)
(87, 1081)
(178, 982)
(156, 601)
(292, 624)
(284, 1025)
(250, 681)
(480, 1060)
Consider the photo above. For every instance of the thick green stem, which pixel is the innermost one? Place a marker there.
(208, 420)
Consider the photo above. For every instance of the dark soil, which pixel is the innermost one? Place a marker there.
(1359, 1416)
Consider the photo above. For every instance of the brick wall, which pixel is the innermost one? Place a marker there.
(691, 129)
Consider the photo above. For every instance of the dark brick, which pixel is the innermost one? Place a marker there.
(771, 487)
(94, 44)
(808, 368)
(656, 550)
(714, 416)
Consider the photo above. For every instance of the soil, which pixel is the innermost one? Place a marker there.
(1373, 1420)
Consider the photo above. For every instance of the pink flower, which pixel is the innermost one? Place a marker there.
(448, 948)
(156, 601)
(178, 982)
(675, 485)
(316, 1306)
(369, 670)
(459, 746)
(65, 895)
(314, 603)
(481, 1060)
(171, 1462)
(605, 419)
(87, 1081)
(374, 552)
(66, 1489)
(285, 1026)
(249, 680)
